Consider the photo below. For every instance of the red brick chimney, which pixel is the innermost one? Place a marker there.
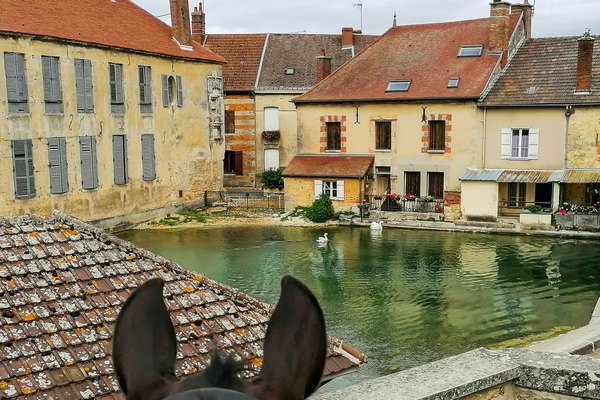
(347, 37)
(584, 62)
(180, 22)
(499, 28)
(527, 10)
(323, 66)
(198, 24)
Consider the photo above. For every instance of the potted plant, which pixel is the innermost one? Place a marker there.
(271, 136)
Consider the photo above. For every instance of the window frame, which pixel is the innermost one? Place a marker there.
(388, 136)
(145, 88)
(391, 89)
(432, 176)
(29, 169)
(334, 136)
(235, 161)
(271, 122)
(330, 188)
(117, 89)
(53, 99)
(470, 47)
(18, 102)
(521, 150)
(453, 83)
(417, 184)
(437, 144)
(84, 85)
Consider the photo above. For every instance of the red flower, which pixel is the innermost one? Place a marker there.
(563, 211)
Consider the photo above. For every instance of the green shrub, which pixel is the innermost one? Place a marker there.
(272, 179)
(534, 209)
(321, 210)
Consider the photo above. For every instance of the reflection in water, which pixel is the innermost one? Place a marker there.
(403, 297)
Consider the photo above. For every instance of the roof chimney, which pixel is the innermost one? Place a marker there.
(323, 66)
(347, 37)
(198, 24)
(180, 22)
(499, 28)
(527, 10)
(584, 63)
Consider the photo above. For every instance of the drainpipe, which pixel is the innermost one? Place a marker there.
(556, 189)
(484, 136)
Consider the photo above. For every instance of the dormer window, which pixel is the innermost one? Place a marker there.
(453, 83)
(470, 51)
(398, 86)
(290, 71)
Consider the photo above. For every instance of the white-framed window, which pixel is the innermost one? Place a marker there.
(271, 119)
(520, 143)
(333, 189)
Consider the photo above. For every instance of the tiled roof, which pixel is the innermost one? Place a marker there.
(243, 53)
(300, 51)
(427, 55)
(544, 72)
(62, 283)
(116, 23)
(329, 166)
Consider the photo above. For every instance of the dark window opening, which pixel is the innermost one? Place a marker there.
(229, 121)
(383, 132)
(437, 135)
(233, 162)
(436, 184)
(334, 136)
(413, 183)
(517, 193)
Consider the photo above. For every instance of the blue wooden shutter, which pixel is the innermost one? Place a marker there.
(165, 90)
(80, 85)
(52, 87)
(179, 92)
(89, 162)
(88, 86)
(57, 165)
(23, 168)
(120, 159)
(16, 84)
(148, 158)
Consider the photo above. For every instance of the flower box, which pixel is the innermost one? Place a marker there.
(271, 136)
(586, 221)
(527, 218)
(564, 221)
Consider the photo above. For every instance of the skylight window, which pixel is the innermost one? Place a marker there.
(290, 71)
(453, 83)
(398, 86)
(470, 51)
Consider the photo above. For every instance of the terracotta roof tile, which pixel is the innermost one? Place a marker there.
(330, 166)
(544, 72)
(57, 313)
(119, 23)
(427, 55)
(243, 53)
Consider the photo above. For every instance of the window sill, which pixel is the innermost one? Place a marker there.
(54, 114)
(19, 115)
(333, 151)
(519, 158)
(229, 175)
(436, 151)
(383, 150)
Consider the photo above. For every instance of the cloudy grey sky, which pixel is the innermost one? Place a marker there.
(552, 17)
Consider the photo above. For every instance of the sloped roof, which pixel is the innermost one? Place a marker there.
(427, 55)
(544, 72)
(115, 23)
(62, 283)
(300, 51)
(509, 175)
(329, 166)
(243, 53)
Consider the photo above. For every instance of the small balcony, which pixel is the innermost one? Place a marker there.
(408, 204)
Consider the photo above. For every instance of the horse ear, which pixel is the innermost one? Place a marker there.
(144, 344)
(295, 345)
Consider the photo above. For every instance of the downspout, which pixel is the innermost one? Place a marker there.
(569, 110)
(484, 136)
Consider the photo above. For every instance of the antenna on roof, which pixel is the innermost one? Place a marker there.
(395, 24)
(359, 4)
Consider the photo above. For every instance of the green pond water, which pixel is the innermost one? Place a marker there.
(402, 297)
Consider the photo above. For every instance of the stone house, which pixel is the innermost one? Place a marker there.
(541, 126)
(101, 118)
(63, 283)
(410, 100)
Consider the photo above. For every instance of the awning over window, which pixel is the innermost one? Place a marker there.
(532, 176)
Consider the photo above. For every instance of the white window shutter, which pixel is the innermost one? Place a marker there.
(506, 143)
(318, 189)
(340, 190)
(271, 159)
(534, 143)
(271, 119)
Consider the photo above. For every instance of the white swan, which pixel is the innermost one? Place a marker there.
(376, 226)
(322, 239)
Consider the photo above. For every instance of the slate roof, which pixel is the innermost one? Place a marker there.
(118, 23)
(329, 166)
(544, 72)
(62, 283)
(243, 53)
(300, 51)
(427, 55)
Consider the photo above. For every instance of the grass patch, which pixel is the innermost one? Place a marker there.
(527, 340)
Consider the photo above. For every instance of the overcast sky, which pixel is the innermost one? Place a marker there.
(552, 17)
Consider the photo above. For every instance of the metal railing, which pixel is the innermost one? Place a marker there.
(516, 205)
(418, 205)
(245, 199)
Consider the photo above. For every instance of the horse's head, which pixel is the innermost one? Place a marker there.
(144, 352)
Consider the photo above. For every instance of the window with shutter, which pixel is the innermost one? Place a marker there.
(120, 159)
(340, 191)
(239, 163)
(148, 158)
(271, 159)
(84, 86)
(89, 162)
(435, 185)
(413, 183)
(334, 136)
(23, 168)
(165, 90)
(179, 91)
(57, 165)
(145, 78)
(383, 135)
(437, 135)
(229, 121)
(271, 119)
(522, 142)
(52, 86)
(229, 162)
(506, 143)
(117, 98)
(16, 82)
(318, 189)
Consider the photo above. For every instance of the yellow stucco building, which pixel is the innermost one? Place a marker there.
(105, 123)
